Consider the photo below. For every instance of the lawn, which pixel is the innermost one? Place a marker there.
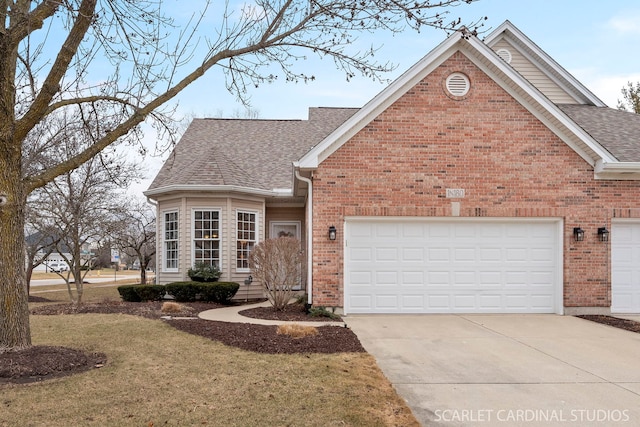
(157, 375)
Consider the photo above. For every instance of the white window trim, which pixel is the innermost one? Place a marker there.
(193, 229)
(165, 269)
(235, 239)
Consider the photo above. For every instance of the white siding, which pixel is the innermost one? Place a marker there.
(535, 76)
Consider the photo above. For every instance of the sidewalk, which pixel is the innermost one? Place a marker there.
(231, 315)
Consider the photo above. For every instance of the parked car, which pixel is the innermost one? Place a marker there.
(58, 267)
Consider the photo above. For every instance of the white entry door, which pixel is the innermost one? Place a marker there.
(420, 265)
(625, 267)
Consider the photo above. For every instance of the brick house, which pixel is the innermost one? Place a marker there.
(485, 179)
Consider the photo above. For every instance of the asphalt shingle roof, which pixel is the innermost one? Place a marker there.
(617, 131)
(258, 153)
(246, 152)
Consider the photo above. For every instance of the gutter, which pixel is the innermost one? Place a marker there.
(221, 188)
(617, 170)
(309, 236)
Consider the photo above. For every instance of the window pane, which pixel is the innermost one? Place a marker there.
(171, 240)
(206, 237)
(245, 238)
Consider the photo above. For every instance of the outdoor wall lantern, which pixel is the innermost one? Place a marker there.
(332, 233)
(603, 234)
(578, 234)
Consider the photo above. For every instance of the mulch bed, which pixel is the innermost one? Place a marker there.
(292, 312)
(625, 324)
(265, 339)
(38, 363)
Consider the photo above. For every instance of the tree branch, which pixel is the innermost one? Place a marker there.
(51, 85)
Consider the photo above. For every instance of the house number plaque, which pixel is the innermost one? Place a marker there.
(455, 193)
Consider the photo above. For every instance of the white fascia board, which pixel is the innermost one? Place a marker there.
(514, 33)
(380, 102)
(217, 188)
(617, 170)
(530, 98)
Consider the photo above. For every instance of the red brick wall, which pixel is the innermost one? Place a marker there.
(508, 162)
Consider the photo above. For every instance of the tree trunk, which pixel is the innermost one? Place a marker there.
(27, 277)
(14, 307)
(143, 274)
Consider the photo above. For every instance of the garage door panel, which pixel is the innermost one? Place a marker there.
(386, 255)
(625, 267)
(464, 279)
(387, 278)
(438, 254)
(490, 254)
(438, 278)
(490, 279)
(413, 302)
(517, 302)
(457, 266)
(464, 302)
(361, 254)
(413, 278)
(465, 254)
(516, 255)
(386, 302)
(542, 255)
(413, 254)
(540, 279)
(362, 278)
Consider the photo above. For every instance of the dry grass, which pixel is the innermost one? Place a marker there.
(296, 330)
(92, 293)
(171, 307)
(156, 374)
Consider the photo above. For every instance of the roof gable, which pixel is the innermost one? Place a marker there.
(539, 68)
(513, 82)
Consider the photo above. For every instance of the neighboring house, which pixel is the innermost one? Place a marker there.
(44, 245)
(486, 179)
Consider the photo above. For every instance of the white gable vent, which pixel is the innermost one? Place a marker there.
(458, 84)
(505, 55)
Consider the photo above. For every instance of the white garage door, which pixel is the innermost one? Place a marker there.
(625, 267)
(452, 266)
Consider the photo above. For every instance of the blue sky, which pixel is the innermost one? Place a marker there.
(596, 41)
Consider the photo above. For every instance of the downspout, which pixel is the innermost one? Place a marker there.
(309, 236)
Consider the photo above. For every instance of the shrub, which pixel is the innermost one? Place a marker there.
(322, 312)
(150, 292)
(183, 291)
(220, 292)
(295, 330)
(171, 307)
(276, 264)
(203, 272)
(128, 293)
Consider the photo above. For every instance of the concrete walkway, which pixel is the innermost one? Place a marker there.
(231, 315)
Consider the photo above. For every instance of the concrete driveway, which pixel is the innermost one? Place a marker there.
(507, 370)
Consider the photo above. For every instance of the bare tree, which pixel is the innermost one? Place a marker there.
(78, 208)
(113, 64)
(135, 234)
(275, 263)
(631, 98)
